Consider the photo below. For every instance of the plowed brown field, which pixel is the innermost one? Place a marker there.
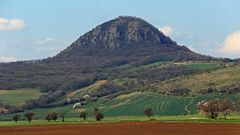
(126, 128)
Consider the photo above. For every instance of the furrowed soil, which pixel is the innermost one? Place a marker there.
(126, 128)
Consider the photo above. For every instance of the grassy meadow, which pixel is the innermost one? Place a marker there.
(195, 118)
(17, 97)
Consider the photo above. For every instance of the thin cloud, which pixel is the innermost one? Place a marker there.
(7, 59)
(11, 24)
(46, 41)
(231, 44)
(48, 46)
(167, 30)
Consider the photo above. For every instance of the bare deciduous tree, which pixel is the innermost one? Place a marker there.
(51, 116)
(16, 118)
(83, 115)
(54, 116)
(213, 107)
(29, 116)
(98, 115)
(226, 107)
(48, 117)
(148, 112)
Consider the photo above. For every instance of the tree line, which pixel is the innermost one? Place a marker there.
(29, 116)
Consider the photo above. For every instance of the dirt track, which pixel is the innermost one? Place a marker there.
(133, 128)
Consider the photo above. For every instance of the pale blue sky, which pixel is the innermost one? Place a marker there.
(45, 27)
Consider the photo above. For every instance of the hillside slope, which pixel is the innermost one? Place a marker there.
(103, 53)
(224, 80)
(129, 96)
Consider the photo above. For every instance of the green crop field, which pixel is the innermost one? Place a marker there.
(202, 66)
(155, 64)
(17, 97)
(132, 104)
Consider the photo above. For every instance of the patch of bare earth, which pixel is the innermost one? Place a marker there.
(126, 128)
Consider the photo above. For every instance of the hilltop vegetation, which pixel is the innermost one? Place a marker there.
(224, 80)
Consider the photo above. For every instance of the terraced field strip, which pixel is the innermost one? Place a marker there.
(186, 107)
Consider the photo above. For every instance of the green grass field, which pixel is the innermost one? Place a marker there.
(17, 97)
(155, 64)
(202, 66)
(196, 118)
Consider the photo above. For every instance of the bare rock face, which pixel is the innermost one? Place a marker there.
(122, 32)
(127, 37)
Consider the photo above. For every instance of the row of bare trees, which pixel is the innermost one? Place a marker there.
(54, 116)
(28, 116)
(97, 114)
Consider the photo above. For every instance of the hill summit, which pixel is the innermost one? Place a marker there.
(121, 34)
